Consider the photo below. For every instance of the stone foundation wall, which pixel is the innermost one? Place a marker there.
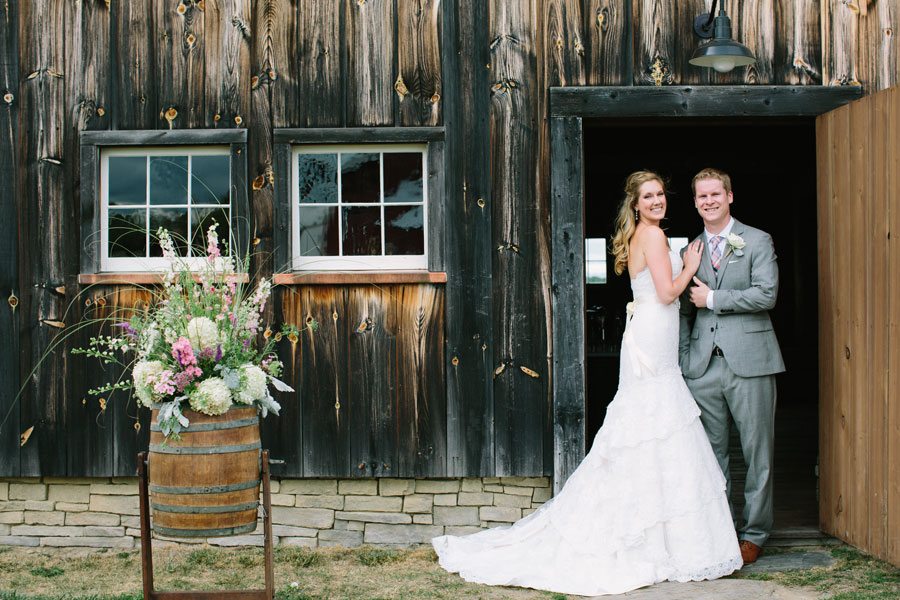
(103, 513)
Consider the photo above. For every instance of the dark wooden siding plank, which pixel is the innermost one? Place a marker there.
(322, 378)
(839, 43)
(130, 424)
(226, 49)
(469, 327)
(798, 43)
(319, 85)
(567, 233)
(134, 54)
(436, 207)
(372, 396)
(180, 59)
(607, 25)
(283, 434)
(43, 210)
(87, 87)
(519, 312)
(879, 45)
(564, 48)
(418, 62)
(755, 27)
(370, 38)
(10, 219)
(655, 46)
(416, 318)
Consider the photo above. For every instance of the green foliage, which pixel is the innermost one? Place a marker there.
(46, 571)
(373, 557)
(297, 557)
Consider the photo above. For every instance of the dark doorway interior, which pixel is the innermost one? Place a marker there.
(772, 165)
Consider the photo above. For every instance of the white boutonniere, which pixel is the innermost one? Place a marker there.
(736, 243)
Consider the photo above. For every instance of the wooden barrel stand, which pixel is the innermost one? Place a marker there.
(147, 547)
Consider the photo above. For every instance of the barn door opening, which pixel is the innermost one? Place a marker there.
(772, 163)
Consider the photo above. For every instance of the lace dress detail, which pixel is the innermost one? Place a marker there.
(646, 505)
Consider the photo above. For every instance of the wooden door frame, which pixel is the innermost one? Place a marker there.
(568, 107)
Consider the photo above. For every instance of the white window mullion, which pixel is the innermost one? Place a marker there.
(381, 197)
(147, 211)
(340, 206)
(190, 251)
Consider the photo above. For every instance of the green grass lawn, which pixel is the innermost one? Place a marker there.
(337, 573)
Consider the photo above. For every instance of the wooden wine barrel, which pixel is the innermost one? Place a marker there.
(207, 483)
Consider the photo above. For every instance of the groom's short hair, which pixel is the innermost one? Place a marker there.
(710, 173)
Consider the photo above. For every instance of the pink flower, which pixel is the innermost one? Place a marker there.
(183, 353)
(164, 385)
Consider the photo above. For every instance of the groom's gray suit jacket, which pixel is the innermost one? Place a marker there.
(745, 290)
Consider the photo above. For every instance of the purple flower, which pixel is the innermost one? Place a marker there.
(127, 328)
(218, 353)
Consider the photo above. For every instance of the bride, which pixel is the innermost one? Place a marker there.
(648, 502)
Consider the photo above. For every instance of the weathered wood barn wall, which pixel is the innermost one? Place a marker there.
(449, 379)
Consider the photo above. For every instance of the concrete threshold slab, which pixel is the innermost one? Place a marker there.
(720, 589)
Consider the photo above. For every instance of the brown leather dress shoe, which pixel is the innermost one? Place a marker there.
(749, 552)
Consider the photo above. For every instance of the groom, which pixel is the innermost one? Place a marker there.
(728, 351)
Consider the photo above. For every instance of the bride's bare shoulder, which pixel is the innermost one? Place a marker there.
(652, 235)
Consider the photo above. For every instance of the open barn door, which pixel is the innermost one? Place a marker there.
(858, 165)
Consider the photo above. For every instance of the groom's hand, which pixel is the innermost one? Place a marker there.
(699, 293)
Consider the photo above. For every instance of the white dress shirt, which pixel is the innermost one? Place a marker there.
(724, 233)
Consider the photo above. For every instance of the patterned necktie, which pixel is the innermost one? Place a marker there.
(715, 251)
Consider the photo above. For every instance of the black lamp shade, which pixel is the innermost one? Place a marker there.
(721, 52)
(722, 55)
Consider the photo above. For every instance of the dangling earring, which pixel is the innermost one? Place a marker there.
(636, 217)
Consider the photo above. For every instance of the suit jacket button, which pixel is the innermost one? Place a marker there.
(712, 329)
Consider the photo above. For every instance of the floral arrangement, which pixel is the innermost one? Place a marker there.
(196, 346)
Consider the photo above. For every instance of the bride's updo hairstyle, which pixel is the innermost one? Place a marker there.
(626, 223)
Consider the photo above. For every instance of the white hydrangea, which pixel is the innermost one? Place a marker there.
(253, 385)
(203, 333)
(211, 397)
(143, 374)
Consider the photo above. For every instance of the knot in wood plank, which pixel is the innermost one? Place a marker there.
(8, 98)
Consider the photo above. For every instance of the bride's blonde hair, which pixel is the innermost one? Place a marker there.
(626, 223)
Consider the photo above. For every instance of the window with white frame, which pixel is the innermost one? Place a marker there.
(359, 207)
(182, 189)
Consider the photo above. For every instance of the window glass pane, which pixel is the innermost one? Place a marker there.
(127, 180)
(403, 230)
(317, 178)
(175, 220)
(362, 230)
(210, 179)
(168, 180)
(127, 233)
(319, 231)
(595, 260)
(201, 219)
(360, 178)
(595, 271)
(403, 176)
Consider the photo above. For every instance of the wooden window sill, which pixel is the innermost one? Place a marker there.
(145, 278)
(358, 277)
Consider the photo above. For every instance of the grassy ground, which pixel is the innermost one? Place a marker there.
(362, 573)
(855, 576)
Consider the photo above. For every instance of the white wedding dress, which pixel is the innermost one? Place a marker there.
(646, 505)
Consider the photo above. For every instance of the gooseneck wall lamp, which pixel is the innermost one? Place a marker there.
(721, 52)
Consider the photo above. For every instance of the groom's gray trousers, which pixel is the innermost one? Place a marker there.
(751, 402)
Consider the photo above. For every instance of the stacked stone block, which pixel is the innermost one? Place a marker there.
(103, 513)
